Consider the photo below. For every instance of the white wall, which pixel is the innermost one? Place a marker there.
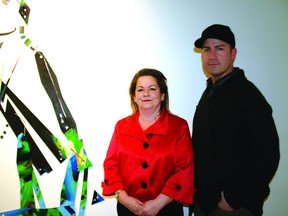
(95, 47)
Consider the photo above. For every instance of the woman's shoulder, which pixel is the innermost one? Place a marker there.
(127, 119)
(177, 118)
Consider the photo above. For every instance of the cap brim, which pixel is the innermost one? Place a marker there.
(199, 43)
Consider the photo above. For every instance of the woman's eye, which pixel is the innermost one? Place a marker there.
(139, 90)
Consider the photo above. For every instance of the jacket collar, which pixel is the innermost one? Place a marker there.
(133, 128)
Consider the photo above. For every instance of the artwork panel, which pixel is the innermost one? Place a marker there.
(50, 140)
(52, 88)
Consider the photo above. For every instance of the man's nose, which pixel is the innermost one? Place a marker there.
(212, 54)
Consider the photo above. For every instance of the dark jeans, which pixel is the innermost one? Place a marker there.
(220, 212)
(172, 209)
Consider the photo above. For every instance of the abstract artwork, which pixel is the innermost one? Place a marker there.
(22, 128)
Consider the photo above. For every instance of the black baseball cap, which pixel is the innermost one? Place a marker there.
(216, 31)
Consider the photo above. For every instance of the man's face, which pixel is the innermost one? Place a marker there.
(217, 58)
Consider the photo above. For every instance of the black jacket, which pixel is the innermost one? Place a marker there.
(236, 145)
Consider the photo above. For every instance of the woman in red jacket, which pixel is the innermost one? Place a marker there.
(149, 164)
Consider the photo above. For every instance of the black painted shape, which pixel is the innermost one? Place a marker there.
(51, 86)
(24, 11)
(38, 159)
(46, 136)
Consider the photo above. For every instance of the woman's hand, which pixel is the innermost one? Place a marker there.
(152, 207)
(133, 204)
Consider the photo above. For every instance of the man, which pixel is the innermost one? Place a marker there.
(234, 135)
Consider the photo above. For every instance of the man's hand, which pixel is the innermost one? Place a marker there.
(223, 204)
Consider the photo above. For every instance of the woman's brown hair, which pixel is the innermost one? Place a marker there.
(161, 81)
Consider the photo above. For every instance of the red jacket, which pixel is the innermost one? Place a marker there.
(147, 163)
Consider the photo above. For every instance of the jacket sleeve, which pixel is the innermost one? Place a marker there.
(268, 145)
(180, 186)
(262, 153)
(112, 181)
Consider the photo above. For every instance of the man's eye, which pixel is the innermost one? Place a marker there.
(219, 48)
(205, 50)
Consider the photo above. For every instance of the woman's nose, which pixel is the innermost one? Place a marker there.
(145, 92)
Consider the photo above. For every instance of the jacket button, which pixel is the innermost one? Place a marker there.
(144, 185)
(146, 145)
(145, 165)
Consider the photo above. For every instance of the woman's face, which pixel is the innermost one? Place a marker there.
(147, 94)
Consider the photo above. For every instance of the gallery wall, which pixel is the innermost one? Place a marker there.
(95, 47)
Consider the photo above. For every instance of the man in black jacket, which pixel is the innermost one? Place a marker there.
(235, 140)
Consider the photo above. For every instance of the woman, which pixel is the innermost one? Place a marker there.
(149, 164)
